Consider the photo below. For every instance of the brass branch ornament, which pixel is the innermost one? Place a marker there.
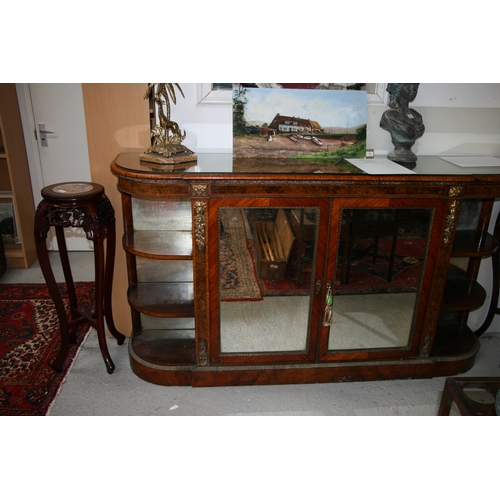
(166, 136)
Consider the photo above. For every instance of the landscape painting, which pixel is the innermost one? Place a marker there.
(327, 125)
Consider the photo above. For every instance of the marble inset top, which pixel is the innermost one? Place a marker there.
(73, 188)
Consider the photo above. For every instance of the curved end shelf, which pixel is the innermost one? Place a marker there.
(454, 340)
(160, 348)
(169, 245)
(162, 361)
(165, 300)
(460, 293)
(471, 243)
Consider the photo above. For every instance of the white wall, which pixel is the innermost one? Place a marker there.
(208, 127)
(459, 119)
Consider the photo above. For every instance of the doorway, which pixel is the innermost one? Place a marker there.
(64, 156)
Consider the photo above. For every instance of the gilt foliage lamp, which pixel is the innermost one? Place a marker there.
(166, 136)
(403, 123)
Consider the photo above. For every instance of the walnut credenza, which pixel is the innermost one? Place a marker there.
(203, 316)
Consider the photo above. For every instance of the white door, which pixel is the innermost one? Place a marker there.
(62, 154)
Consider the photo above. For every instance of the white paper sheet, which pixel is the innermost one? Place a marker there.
(473, 161)
(377, 166)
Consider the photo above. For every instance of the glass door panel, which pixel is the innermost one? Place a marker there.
(380, 261)
(268, 263)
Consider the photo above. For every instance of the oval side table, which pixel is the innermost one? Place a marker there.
(81, 205)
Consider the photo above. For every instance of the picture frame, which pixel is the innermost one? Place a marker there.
(299, 122)
(208, 95)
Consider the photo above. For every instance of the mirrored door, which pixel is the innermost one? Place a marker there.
(269, 259)
(379, 264)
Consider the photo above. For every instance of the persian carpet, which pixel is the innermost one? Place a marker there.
(240, 281)
(237, 270)
(367, 277)
(29, 343)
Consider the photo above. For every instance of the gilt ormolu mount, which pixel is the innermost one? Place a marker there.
(166, 136)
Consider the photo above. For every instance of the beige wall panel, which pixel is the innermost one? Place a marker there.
(117, 120)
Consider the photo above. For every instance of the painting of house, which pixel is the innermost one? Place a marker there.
(291, 123)
(282, 123)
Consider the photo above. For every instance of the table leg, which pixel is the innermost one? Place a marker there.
(70, 286)
(495, 292)
(108, 280)
(43, 258)
(99, 303)
(446, 401)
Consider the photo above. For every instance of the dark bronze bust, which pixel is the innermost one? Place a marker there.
(403, 123)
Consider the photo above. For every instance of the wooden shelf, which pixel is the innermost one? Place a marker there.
(165, 300)
(164, 271)
(157, 347)
(474, 244)
(453, 339)
(460, 293)
(159, 244)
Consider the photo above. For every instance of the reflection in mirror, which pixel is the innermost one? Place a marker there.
(266, 267)
(380, 260)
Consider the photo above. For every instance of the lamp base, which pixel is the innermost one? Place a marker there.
(168, 160)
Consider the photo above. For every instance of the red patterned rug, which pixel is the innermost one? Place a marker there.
(29, 343)
(240, 281)
(367, 277)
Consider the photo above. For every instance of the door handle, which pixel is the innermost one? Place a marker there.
(43, 131)
(328, 313)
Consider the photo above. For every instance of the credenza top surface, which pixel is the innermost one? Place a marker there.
(226, 163)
